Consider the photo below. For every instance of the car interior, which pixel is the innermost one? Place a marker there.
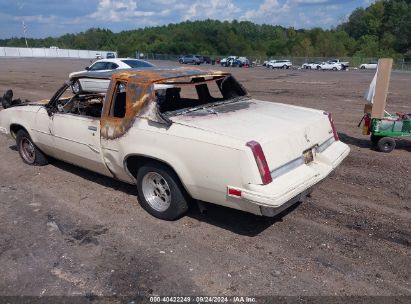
(84, 104)
(196, 92)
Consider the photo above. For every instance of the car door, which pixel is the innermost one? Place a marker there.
(76, 140)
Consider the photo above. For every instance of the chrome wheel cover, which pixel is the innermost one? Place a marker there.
(27, 150)
(156, 191)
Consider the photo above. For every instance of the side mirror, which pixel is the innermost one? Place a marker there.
(87, 68)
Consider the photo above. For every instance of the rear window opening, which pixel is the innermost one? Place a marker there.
(178, 96)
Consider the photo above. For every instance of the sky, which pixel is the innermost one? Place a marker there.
(45, 18)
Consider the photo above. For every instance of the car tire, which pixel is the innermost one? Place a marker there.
(386, 144)
(309, 67)
(160, 192)
(335, 69)
(362, 68)
(28, 151)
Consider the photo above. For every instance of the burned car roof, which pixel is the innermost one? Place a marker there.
(148, 75)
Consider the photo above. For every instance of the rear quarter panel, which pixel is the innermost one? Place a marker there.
(205, 163)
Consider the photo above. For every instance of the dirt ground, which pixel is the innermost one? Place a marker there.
(67, 231)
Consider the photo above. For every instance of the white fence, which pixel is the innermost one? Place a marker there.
(50, 53)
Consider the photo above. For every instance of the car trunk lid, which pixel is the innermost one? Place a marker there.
(285, 132)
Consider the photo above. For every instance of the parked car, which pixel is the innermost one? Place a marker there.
(330, 66)
(228, 61)
(344, 64)
(98, 56)
(189, 59)
(181, 135)
(207, 59)
(279, 64)
(104, 65)
(311, 65)
(110, 55)
(370, 65)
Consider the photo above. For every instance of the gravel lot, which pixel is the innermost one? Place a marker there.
(67, 231)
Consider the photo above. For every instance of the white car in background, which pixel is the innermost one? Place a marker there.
(372, 65)
(104, 65)
(311, 65)
(279, 64)
(334, 66)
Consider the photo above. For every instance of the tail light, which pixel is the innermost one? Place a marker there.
(330, 118)
(261, 161)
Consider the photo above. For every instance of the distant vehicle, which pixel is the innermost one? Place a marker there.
(243, 62)
(54, 47)
(330, 65)
(344, 64)
(190, 59)
(372, 65)
(207, 59)
(279, 64)
(98, 56)
(311, 65)
(105, 65)
(228, 61)
(110, 55)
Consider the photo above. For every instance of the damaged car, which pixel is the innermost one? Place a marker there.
(182, 135)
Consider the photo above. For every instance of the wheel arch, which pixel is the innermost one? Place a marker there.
(15, 127)
(133, 162)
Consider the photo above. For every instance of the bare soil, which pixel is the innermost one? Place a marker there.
(68, 231)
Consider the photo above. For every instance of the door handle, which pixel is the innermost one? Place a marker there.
(92, 128)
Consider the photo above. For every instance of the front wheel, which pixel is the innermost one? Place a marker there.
(160, 192)
(28, 151)
(335, 69)
(386, 144)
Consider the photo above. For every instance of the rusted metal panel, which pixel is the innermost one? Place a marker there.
(140, 93)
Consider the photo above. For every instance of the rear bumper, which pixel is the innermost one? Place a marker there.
(295, 185)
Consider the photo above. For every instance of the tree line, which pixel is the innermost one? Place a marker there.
(381, 29)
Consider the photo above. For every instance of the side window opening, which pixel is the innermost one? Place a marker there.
(118, 108)
(99, 66)
(83, 104)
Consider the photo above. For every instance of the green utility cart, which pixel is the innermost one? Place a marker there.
(383, 130)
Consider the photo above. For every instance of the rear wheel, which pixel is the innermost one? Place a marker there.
(28, 151)
(386, 144)
(285, 67)
(362, 67)
(160, 191)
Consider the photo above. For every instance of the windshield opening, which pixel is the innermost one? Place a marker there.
(178, 96)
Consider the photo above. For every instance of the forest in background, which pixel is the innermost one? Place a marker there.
(383, 29)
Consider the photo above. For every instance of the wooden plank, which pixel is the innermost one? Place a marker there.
(368, 108)
(381, 87)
